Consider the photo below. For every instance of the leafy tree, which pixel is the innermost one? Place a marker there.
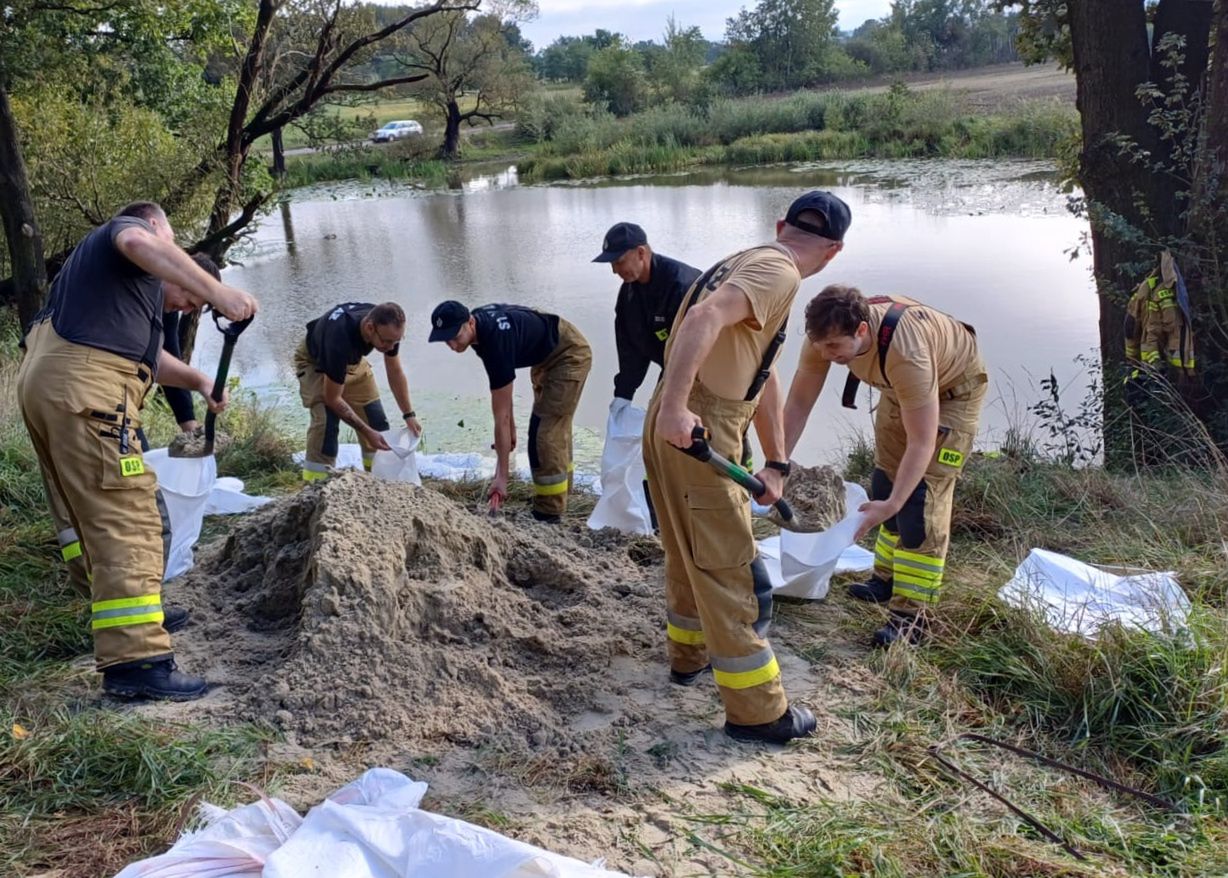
(789, 39)
(471, 57)
(616, 79)
(673, 72)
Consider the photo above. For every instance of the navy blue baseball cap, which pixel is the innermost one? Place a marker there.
(447, 320)
(619, 239)
(834, 211)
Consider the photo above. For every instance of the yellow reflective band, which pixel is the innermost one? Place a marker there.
(924, 595)
(145, 600)
(1164, 293)
(571, 467)
(72, 551)
(951, 457)
(886, 536)
(923, 581)
(683, 636)
(1150, 356)
(118, 621)
(313, 476)
(747, 679)
(131, 466)
(550, 490)
(924, 562)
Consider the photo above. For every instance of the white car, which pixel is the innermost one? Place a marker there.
(397, 131)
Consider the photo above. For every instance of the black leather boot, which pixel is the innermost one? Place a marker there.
(797, 722)
(156, 678)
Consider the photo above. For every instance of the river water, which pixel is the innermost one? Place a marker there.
(987, 242)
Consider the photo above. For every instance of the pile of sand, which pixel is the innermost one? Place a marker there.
(362, 610)
(816, 494)
(192, 443)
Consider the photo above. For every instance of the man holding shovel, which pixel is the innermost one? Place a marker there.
(92, 354)
(718, 378)
(336, 383)
(511, 337)
(928, 368)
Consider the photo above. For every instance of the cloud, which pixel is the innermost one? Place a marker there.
(645, 19)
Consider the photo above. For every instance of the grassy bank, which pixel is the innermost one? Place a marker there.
(86, 786)
(558, 137)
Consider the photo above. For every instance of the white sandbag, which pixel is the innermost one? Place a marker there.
(1077, 598)
(801, 565)
(234, 844)
(186, 483)
(228, 498)
(400, 464)
(373, 828)
(623, 504)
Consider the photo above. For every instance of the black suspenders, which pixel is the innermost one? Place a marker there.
(886, 331)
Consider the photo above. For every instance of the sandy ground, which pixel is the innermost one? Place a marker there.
(989, 88)
(518, 668)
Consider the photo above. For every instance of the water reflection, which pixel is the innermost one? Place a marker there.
(986, 242)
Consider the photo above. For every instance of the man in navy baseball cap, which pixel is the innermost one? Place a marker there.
(834, 212)
(447, 320)
(619, 239)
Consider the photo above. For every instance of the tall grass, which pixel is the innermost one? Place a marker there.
(802, 127)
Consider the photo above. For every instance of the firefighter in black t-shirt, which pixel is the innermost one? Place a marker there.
(336, 383)
(511, 337)
(653, 288)
(91, 356)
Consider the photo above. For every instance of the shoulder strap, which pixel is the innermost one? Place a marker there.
(765, 365)
(886, 332)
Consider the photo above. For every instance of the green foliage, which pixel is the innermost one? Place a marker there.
(790, 40)
(616, 80)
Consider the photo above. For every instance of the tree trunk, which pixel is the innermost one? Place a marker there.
(1111, 59)
(20, 224)
(451, 132)
(279, 154)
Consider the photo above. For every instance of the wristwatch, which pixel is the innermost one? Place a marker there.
(410, 414)
(781, 466)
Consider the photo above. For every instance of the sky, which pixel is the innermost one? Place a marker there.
(645, 19)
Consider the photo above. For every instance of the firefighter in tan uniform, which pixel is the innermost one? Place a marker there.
(932, 382)
(91, 356)
(336, 383)
(176, 300)
(718, 376)
(511, 337)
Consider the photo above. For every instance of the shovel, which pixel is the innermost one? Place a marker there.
(230, 334)
(782, 513)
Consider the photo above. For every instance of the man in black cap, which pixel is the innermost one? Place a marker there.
(648, 300)
(719, 377)
(511, 337)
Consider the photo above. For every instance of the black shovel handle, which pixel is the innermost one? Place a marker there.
(701, 450)
(230, 334)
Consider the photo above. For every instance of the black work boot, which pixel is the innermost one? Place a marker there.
(687, 678)
(876, 590)
(157, 679)
(546, 517)
(797, 722)
(175, 618)
(901, 626)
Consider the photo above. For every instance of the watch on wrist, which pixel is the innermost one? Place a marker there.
(409, 414)
(781, 466)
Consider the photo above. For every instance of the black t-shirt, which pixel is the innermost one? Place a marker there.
(335, 340)
(510, 337)
(102, 300)
(643, 316)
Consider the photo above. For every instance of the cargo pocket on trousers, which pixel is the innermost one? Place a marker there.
(718, 534)
(122, 472)
(559, 397)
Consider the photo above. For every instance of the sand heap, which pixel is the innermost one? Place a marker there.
(816, 494)
(192, 443)
(367, 610)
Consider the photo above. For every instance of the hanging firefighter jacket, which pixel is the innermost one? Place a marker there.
(1158, 329)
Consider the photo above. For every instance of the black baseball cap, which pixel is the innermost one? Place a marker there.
(619, 239)
(447, 320)
(835, 211)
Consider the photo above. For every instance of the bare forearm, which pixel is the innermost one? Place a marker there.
(913, 464)
(769, 421)
(504, 433)
(346, 413)
(803, 393)
(173, 372)
(399, 385)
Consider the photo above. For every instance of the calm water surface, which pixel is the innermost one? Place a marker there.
(987, 242)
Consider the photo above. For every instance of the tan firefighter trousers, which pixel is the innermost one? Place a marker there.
(359, 390)
(718, 600)
(66, 535)
(911, 549)
(75, 401)
(558, 382)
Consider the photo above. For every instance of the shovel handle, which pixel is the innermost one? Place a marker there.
(701, 450)
(230, 335)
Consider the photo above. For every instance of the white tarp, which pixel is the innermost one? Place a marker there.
(623, 504)
(192, 490)
(801, 565)
(370, 828)
(1077, 598)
